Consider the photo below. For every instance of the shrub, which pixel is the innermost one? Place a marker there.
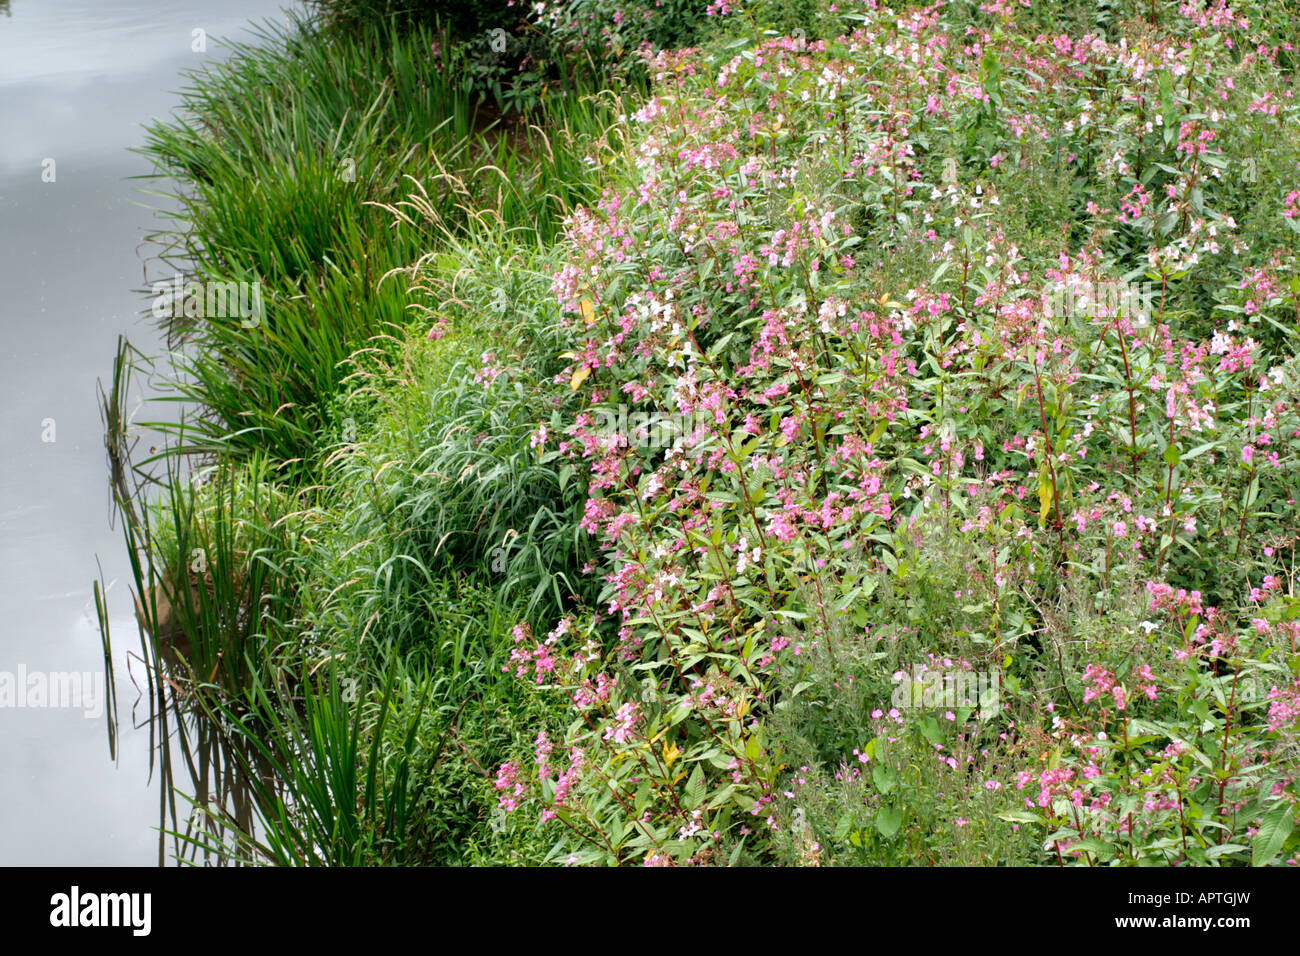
(463, 17)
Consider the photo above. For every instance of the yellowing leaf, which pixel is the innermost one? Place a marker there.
(671, 753)
(588, 311)
(1044, 494)
(579, 377)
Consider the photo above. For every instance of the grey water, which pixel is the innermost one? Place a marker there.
(77, 80)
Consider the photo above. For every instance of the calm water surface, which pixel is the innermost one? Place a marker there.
(77, 78)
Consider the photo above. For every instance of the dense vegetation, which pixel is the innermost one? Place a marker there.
(820, 434)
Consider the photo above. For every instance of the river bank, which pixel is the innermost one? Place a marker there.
(655, 479)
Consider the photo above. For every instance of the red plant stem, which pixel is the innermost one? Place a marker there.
(1132, 406)
(1051, 465)
(1241, 525)
(1223, 747)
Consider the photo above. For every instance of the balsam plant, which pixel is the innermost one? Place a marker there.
(812, 250)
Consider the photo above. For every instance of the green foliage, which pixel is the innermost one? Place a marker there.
(913, 409)
(463, 17)
(287, 152)
(935, 547)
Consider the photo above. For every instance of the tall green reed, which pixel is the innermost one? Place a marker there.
(287, 154)
(334, 795)
(210, 558)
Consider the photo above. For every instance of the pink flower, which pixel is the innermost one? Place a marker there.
(1284, 710)
(1100, 681)
(1143, 673)
(543, 750)
(508, 784)
(627, 717)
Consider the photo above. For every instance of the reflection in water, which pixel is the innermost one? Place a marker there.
(184, 738)
(192, 750)
(77, 78)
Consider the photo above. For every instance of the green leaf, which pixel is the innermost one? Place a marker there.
(930, 730)
(695, 788)
(1020, 816)
(888, 820)
(1099, 848)
(1273, 831)
(1223, 849)
(842, 827)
